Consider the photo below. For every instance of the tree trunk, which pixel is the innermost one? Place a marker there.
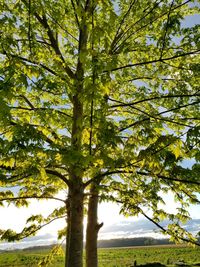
(92, 228)
(74, 249)
(74, 246)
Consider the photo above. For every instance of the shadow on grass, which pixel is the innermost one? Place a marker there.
(152, 264)
(158, 264)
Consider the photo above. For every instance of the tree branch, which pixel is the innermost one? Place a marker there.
(120, 170)
(115, 48)
(152, 78)
(118, 34)
(59, 175)
(30, 197)
(165, 33)
(14, 178)
(150, 174)
(63, 28)
(54, 44)
(75, 14)
(153, 61)
(122, 104)
(41, 108)
(37, 64)
(40, 227)
(150, 22)
(28, 101)
(161, 113)
(167, 231)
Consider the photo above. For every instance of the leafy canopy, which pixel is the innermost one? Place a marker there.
(140, 104)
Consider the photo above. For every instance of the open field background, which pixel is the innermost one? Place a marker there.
(113, 257)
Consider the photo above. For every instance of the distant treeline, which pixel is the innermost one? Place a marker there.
(111, 243)
(129, 242)
(120, 242)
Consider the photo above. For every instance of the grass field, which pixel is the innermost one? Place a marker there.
(115, 257)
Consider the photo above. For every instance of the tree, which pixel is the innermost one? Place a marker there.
(99, 98)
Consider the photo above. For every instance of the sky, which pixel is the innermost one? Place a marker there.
(115, 225)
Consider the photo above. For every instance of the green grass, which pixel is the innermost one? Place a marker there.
(115, 257)
(27, 259)
(165, 255)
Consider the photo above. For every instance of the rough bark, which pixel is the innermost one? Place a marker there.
(74, 248)
(68, 232)
(92, 228)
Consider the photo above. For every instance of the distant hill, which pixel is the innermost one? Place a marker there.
(45, 247)
(120, 242)
(130, 242)
(110, 243)
(39, 247)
